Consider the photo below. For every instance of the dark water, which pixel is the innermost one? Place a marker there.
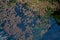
(11, 38)
(22, 26)
(54, 32)
(3, 23)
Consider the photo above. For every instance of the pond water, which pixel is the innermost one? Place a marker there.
(53, 32)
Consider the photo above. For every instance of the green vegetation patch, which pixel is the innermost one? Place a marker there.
(56, 16)
(12, 1)
(49, 11)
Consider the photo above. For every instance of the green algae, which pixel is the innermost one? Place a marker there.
(11, 2)
(56, 16)
(49, 11)
(51, 1)
(37, 27)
